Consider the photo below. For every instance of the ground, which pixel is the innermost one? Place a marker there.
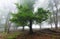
(42, 34)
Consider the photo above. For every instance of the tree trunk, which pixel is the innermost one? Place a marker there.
(16, 28)
(31, 30)
(23, 28)
(51, 26)
(9, 25)
(8, 30)
(40, 26)
(5, 28)
(51, 21)
(56, 14)
(56, 19)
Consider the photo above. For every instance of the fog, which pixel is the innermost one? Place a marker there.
(7, 6)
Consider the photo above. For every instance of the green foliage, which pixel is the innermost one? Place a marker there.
(25, 14)
(12, 35)
(42, 15)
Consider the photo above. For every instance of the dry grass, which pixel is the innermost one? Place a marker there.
(26, 35)
(9, 36)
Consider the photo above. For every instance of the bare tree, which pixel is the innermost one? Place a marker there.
(54, 5)
(50, 7)
(8, 24)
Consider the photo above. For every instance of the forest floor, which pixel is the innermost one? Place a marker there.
(42, 34)
(11, 35)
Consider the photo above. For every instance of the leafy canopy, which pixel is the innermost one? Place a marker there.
(42, 15)
(25, 14)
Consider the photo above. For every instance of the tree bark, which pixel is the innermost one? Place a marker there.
(40, 26)
(9, 25)
(51, 26)
(56, 19)
(23, 28)
(31, 30)
(51, 21)
(5, 28)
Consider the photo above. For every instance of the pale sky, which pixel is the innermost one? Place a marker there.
(9, 4)
(41, 3)
(5, 7)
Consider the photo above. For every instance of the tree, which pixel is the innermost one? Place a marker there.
(56, 17)
(51, 19)
(23, 16)
(29, 3)
(8, 24)
(42, 15)
(53, 4)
